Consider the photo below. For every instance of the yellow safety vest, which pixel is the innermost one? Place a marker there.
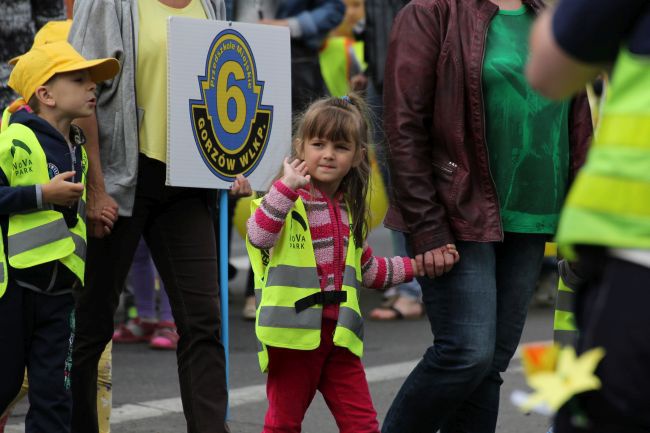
(609, 203)
(4, 123)
(336, 58)
(39, 236)
(287, 274)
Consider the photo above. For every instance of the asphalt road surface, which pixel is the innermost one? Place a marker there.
(146, 393)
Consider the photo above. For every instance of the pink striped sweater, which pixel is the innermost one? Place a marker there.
(330, 230)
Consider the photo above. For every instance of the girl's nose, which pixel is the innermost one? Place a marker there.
(328, 153)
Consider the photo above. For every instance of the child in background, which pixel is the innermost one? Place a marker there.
(153, 325)
(341, 56)
(42, 215)
(306, 242)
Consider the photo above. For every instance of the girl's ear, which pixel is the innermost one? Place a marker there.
(359, 157)
(299, 148)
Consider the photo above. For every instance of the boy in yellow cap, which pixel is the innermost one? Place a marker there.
(42, 217)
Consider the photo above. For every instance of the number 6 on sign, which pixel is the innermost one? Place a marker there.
(231, 93)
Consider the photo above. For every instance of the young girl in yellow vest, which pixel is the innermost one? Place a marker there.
(306, 241)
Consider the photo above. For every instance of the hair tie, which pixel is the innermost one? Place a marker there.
(346, 98)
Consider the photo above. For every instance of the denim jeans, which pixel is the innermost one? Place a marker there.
(477, 312)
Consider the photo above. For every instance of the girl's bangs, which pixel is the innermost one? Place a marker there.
(331, 123)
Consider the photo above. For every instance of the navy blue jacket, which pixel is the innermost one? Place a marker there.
(52, 277)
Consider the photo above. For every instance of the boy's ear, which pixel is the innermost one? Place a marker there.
(44, 96)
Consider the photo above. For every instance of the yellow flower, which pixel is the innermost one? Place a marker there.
(572, 376)
(537, 358)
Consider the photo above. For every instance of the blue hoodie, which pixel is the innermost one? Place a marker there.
(52, 277)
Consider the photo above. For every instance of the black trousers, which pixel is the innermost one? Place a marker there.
(35, 332)
(613, 312)
(178, 227)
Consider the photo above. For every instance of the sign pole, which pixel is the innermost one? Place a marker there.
(223, 274)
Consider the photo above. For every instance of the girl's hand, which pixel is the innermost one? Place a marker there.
(295, 174)
(241, 187)
(416, 272)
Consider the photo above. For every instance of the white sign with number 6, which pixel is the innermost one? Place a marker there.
(229, 102)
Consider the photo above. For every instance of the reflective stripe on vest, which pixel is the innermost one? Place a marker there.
(290, 275)
(284, 275)
(564, 327)
(39, 236)
(609, 203)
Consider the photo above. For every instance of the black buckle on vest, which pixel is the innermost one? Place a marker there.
(321, 298)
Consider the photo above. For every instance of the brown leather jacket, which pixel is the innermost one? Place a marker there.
(434, 120)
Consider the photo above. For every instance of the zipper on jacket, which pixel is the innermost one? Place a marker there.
(487, 151)
(73, 158)
(334, 209)
(448, 168)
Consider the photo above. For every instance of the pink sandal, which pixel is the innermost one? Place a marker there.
(165, 337)
(134, 331)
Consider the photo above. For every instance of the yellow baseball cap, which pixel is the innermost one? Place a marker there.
(42, 62)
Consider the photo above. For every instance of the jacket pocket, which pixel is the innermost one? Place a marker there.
(113, 157)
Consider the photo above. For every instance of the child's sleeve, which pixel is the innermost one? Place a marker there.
(384, 272)
(265, 225)
(18, 198)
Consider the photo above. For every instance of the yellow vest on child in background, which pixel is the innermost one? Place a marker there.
(340, 59)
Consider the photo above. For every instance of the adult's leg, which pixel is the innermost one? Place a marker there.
(518, 264)
(48, 364)
(462, 309)
(107, 264)
(181, 237)
(612, 312)
(13, 330)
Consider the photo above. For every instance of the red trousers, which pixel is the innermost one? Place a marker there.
(295, 375)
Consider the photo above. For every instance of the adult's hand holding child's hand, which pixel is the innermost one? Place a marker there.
(437, 261)
(102, 212)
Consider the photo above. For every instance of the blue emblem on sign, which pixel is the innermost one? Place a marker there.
(231, 126)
